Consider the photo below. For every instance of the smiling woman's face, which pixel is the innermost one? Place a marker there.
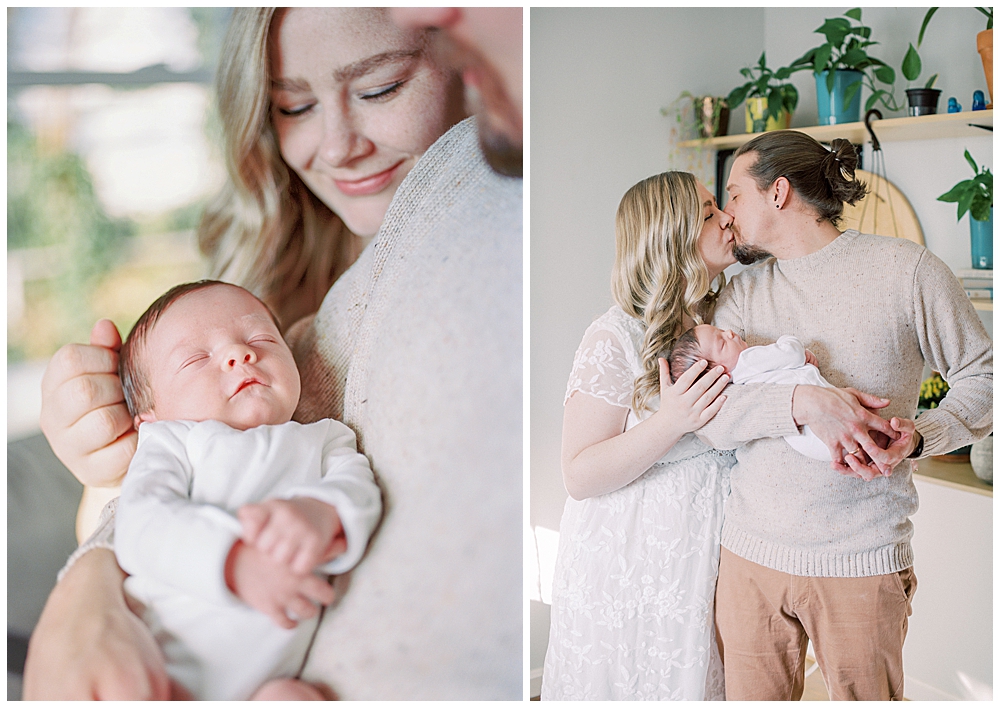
(355, 102)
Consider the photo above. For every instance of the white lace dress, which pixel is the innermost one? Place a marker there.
(634, 587)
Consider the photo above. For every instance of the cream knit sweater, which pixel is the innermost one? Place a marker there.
(873, 310)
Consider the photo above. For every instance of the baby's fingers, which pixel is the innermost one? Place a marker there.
(253, 518)
(316, 590)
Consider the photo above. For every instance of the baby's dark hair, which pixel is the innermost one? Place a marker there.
(138, 394)
(684, 355)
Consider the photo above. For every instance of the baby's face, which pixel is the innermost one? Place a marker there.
(721, 346)
(216, 354)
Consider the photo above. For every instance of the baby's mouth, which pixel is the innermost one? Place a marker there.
(246, 383)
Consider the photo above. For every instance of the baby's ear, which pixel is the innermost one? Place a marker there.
(147, 417)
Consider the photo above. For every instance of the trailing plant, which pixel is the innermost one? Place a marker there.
(766, 84)
(973, 195)
(696, 103)
(846, 48)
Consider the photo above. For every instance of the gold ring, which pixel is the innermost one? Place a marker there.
(853, 453)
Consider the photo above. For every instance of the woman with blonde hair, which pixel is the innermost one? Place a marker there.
(324, 113)
(632, 598)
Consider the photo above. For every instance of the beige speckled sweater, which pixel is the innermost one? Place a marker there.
(873, 309)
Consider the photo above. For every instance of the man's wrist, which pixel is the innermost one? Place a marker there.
(919, 449)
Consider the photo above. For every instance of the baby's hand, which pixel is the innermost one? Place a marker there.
(270, 587)
(300, 532)
(811, 359)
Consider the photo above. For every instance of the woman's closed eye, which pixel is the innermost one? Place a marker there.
(383, 93)
(296, 111)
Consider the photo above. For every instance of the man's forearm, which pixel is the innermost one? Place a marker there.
(751, 411)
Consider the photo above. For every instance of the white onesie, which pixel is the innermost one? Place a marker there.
(784, 362)
(176, 522)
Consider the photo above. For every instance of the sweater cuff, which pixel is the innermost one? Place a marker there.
(935, 435)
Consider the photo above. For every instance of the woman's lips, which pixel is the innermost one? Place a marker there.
(368, 185)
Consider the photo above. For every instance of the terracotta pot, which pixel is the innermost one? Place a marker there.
(984, 43)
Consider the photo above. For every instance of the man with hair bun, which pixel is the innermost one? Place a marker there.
(809, 554)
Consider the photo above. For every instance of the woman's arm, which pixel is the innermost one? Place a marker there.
(599, 456)
(88, 644)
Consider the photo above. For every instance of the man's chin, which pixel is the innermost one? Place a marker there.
(748, 255)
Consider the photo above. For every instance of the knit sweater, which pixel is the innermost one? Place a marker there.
(419, 345)
(873, 310)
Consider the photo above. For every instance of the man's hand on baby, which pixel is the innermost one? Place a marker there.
(300, 533)
(270, 587)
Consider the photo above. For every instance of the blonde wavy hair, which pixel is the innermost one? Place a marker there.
(659, 275)
(265, 230)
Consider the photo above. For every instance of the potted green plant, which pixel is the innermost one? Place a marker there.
(976, 197)
(711, 113)
(984, 43)
(921, 101)
(842, 66)
(770, 99)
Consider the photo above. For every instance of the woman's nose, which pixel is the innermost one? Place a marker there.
(342, 141)
(240, 354)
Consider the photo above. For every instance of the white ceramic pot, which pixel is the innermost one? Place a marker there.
(981, 458)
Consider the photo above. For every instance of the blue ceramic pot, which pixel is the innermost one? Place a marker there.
(832, 110)
(982, 242)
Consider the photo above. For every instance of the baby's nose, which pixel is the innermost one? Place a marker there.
(240, 355)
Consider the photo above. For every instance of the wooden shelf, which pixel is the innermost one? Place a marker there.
(985, 305)
(958, 475)
(940, 125)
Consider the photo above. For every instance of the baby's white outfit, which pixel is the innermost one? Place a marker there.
(784, 362)
(176, 523)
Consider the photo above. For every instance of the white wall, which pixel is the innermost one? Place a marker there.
(598, 80)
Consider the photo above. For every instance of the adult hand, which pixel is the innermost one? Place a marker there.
(842, 420)
(270, 587)
(300, 532)
(690, 403)
(84, 416)
(88, 645)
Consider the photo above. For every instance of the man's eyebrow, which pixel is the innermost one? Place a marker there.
(365, 66)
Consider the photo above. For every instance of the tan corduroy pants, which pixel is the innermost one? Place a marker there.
(857, 625)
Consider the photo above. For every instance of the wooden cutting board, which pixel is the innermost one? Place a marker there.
(884, 211)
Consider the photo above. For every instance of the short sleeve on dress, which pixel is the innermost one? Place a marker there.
(602, 367)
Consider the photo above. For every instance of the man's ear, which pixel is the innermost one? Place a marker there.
(781, 192)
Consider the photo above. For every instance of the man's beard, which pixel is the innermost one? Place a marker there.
(744, 252)
(493, 108)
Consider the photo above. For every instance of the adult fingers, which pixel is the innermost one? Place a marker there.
(712, 409)
(105, 334)
(72, 360)
(80, 395)
(685, 380)
(98, 429)
(664, 375)
(865, 472)
(869, 400)
(107, 466)
(711, 393)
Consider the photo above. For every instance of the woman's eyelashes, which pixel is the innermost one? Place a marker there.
(383, 93)
(296, 111)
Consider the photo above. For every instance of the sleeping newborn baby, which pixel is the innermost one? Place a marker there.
(231, 515)
(785, 362)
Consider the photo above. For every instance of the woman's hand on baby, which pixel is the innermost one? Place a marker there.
(84, 416)
(272, 588)
(689, 403)
(300, 532)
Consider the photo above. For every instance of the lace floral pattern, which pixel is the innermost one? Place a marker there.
(634, 585)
